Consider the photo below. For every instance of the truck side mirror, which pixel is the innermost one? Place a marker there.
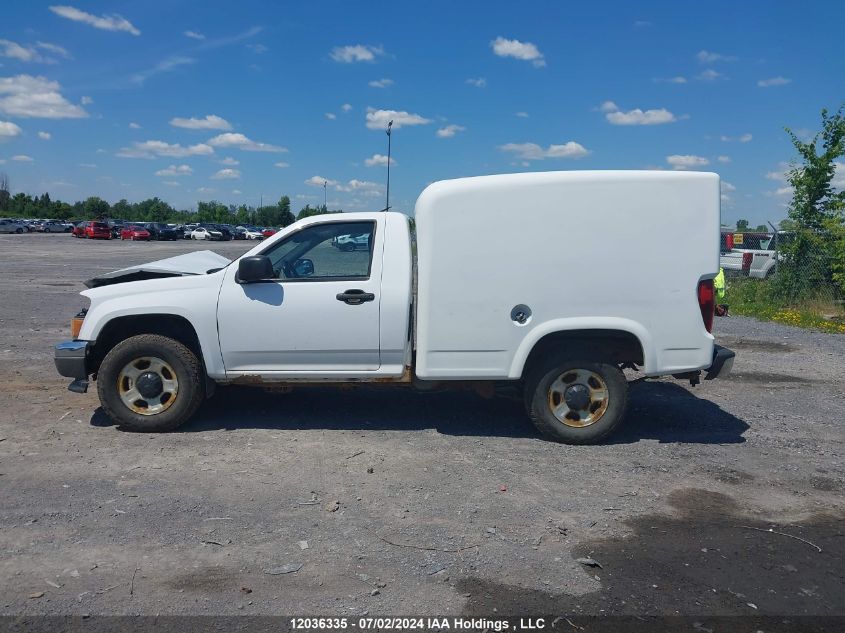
(255, 268)
(303, 268)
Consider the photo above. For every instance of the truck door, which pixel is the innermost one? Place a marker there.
(319, 314)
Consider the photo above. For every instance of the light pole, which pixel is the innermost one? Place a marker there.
(387, 201)
(325, 195)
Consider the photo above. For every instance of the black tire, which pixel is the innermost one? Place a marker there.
(19, 230)
(189, 373)
(538, 400)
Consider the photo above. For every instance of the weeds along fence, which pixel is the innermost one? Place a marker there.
(801, 270)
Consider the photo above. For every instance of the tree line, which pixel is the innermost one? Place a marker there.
(22, 205)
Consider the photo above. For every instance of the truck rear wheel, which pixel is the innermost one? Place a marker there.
(576, 401)
(150, 383)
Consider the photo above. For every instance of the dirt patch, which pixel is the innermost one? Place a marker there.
(712, 558)
(758, 345)
(764, 377)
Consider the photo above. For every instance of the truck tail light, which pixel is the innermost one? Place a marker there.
(730, 241)
(707, 302)
(747, 258)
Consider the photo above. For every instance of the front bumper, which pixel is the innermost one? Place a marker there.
(71, 358)
(723, 362)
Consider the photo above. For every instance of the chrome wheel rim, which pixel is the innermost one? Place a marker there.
(578, 397)
(147, 385)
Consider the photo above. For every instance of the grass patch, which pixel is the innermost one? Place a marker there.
(757, 298)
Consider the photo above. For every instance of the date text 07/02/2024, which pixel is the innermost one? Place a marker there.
(411, 624)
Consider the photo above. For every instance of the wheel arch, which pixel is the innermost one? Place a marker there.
(616, 340)
(120, 328)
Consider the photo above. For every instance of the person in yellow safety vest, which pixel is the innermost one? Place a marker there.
(719, 286)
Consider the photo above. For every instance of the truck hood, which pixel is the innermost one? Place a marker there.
(198, 263)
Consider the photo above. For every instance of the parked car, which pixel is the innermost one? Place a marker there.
(227, 231)
(134, 232)
(751, 254)
(12, 226)
(252, 233)
(291, 310)
(78, 230)
(268, 232)
(188, 229)
(349, 243)
(204, 233)
(160, 231)
(96, 230)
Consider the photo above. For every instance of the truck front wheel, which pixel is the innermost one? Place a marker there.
(576, 401)
(150, 383)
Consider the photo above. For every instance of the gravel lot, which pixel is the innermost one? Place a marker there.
(436, 503)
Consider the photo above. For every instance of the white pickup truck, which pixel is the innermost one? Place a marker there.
(544, 280)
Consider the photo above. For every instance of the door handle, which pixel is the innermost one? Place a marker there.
(355, 297)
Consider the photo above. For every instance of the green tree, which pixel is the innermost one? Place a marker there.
(5, 196)
(742, 225)
(95, 207)
(761, 228)
(811, 258)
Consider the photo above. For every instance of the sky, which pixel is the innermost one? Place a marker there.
(242, 102)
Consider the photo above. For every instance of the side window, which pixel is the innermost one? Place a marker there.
(333, 250)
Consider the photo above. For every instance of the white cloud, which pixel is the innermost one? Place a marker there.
(380, 83)
(356, 53)
(26, 96)
(378, 160)
(206, 190)
(686, 161)
(31, 52)
(318, 181)
(171, 183)
(346, 107)
(636, 116)
(258, 48)
(478, 82)
(171, 63)
(281, 165)
(237, 192)
(44, 136)
(723, 159)
(331, 116)
(774, 81)
(522, 115)
(151, 149)
(838, 175)
(229, 161)
(209, 122)
(449, 131)
(378, 119)
(175, 170)
(726, 186)
(709, 57)
(86, 101)
(194, 35)
(106, 22)
(227, 174)
(709, 75)
(525, 51)
(134, 126)
(23, 158)
(232, 139)
(9, 130)
(744, 138)
(670, 80)
(361, 186)
(532, 151)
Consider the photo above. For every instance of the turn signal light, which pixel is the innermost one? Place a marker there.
(76, 323)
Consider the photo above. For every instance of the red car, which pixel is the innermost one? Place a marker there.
(132, 232)
(268, 232)
(93, 230)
